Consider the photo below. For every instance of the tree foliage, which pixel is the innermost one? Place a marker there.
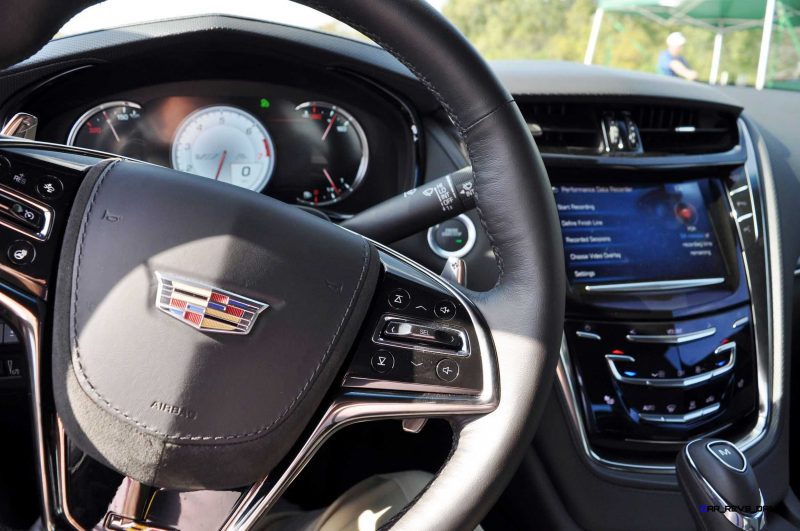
(559, 29)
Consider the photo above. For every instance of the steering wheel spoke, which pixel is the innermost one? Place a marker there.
(421, 334)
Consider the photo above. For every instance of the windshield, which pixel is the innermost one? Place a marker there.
(733, 42)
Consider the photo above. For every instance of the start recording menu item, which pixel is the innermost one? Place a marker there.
(633, 233)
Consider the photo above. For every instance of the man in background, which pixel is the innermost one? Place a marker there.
(671, 61)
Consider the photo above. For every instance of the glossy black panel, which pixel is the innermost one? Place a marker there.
(674, 380)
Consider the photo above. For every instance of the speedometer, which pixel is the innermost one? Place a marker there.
(226, 144)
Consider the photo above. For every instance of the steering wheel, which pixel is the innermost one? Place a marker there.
(192, 335)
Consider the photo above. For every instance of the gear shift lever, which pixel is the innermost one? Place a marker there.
(720, 486)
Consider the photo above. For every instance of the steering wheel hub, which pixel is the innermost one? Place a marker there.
(184, 407)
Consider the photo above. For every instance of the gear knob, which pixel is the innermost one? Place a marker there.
(720, 486)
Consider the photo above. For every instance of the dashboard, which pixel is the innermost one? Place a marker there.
(677, 204)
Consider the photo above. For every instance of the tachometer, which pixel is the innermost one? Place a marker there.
(109, 127)
(339, 154)
(226, 144)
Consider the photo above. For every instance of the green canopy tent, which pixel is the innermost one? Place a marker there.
(720, 16)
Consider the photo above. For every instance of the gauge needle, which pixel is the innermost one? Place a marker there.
(221, 162)
(108, 121)
(330, 180)
(328, 129)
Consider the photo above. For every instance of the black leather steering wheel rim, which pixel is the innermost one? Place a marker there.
(525, 309)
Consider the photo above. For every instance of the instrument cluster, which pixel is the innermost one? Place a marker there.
(307, 145)
(325, 147)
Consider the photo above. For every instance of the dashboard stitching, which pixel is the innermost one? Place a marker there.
(85, 379)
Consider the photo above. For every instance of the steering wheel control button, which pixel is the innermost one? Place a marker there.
(447, 370)
(399, 299)
(382, 361)
(452, 238)
(412, 332)
(21, 253)
(49, 187)
(9, 336)
(728, 454)
(445, 310)
(24, 215)
(28, 216)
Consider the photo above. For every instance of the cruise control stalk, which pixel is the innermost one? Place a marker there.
(417, 209)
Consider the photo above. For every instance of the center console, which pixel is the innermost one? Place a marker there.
(660, 342)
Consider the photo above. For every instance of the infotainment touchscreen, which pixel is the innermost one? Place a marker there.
(637, 233)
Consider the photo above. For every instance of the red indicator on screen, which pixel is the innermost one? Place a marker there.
(685, 213)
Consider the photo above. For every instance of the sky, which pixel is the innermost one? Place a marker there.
(113, 13)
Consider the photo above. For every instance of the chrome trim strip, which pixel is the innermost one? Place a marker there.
(611, 359)
(675, 339)
(658, 285)
(686, 417)
(62, 475)
(588, 335)
(26, 320)
(762, 332)
(738, 190)
(740, 322)
(744, 217)
(359, 382)
(471, 239)
(21, 125)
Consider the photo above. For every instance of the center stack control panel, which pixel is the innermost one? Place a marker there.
(659, 336)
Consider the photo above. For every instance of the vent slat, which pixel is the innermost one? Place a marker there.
(574, 127)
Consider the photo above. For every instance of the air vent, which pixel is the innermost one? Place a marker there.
(564, 127)
(576, 127)
(679, 130)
